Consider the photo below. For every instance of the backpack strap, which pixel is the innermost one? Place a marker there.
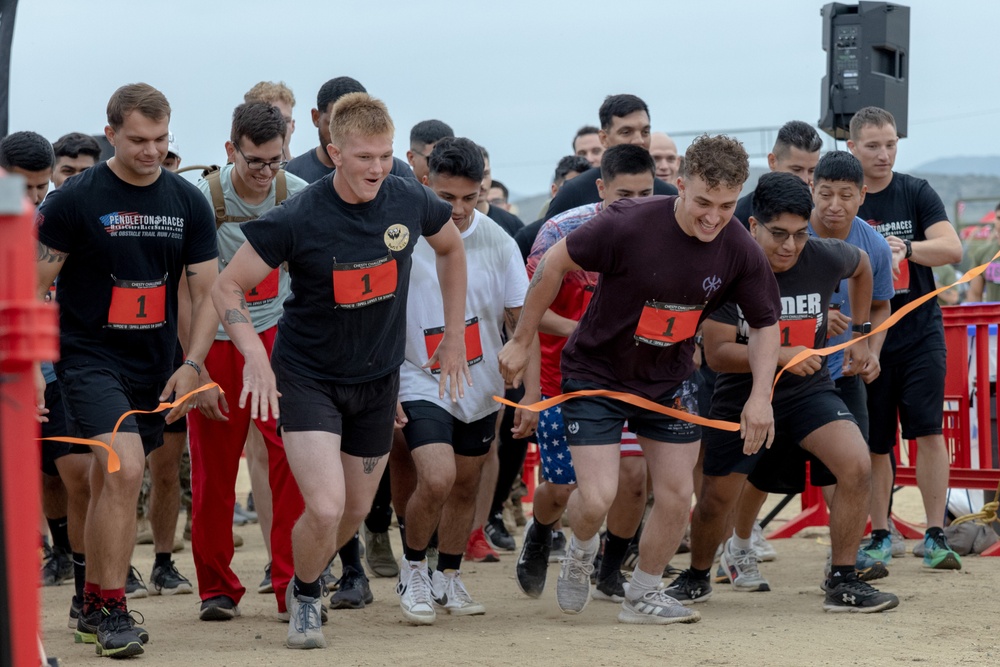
(280, 187)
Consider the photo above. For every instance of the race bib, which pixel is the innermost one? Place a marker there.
(798, 331)
(473, 343)
(902, 283)
(664, 324)
(138, 304)
(359, 284)
(265, 292)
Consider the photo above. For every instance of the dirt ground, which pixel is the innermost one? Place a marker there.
(948, 618)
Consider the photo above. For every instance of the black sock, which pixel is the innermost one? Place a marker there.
(350, 554)
(935, 532)
(879, 534)
(60, 534)
(699, 574)
(433, 544)
(380, 515)
(449, 561)
(541, 532)
(841, 572)
(402, 528)
(79, 573)
(162, 560)
(311, 590)
(614, 554)
(414, 555)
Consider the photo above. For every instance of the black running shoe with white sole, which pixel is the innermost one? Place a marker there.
(854, 595)
(611, 588)
(497, 535)
(533, 563)
(688, 590)
(352, 592)
(218, 608)
(166, 580)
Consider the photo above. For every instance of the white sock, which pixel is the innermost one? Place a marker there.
(740, 544)
(588, 547)
(642, 582)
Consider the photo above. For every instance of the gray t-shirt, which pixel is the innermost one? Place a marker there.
(308, 167)
(266, 299)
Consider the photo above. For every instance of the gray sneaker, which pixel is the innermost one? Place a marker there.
(304, 624)
(898, 547)
(573, 586)
(765, 550)
(378, 554)
(741, 568)
(655, 607)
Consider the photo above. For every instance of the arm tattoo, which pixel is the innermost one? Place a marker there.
(188, 272)
(369, 463)
(537, 278)
(510, 318)
(50, 255)
(236, 317)
(243, 299)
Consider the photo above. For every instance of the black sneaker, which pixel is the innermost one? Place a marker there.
(853, 595)
(135, 587)
(688, 590)
(353, 591)
(611, 588)
(265, 585)
(166, 580)
(116, 638)
(533, 563)
(57, 567)
(86, 627)
(218, 608)
(497, 535)
(631, 558)
(75, 607)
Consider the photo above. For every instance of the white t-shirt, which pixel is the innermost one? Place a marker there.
(264, 301)
(496, 280)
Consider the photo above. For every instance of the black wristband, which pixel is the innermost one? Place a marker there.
(909, 249)
(196, 367)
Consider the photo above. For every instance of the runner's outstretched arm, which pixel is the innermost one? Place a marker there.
(451, 270)
(244, 272)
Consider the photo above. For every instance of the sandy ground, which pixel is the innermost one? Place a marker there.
(950, 618)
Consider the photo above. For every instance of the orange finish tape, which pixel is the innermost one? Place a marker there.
(890, 321)
(114, 463)
(637, 401)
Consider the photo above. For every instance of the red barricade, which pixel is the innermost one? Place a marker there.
(28, 333)
(967, 471)
(529, 475)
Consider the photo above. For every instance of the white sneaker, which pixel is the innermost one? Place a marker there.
(655, 607)
(304, 624)
(573, 585)
(765, 550)
(741, 567)
(414, 591)
(898, 543)
(449, 593)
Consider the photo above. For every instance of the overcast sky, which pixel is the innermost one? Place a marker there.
(518, 76)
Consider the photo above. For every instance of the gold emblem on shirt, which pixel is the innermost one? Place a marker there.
(396, 237)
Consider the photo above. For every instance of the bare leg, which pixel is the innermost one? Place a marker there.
(932, 477)
(671, 467)
(459, 509)
(596, 469)
(747, 509)
(435, 464)
(712, 521)
(403, 477)
(165, 492)
(256, 455)
(625, 513)
(75, 470)
(550, 501)
(110, 530)
(881, 466)
(487, 483)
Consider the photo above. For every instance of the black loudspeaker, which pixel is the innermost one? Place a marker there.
(867, 47)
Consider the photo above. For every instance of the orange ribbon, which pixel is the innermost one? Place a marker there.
(637, 401)
(890, 321)
(114, 463)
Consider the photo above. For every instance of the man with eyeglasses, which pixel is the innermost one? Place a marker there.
(808, 413)
(250, 186)
(315, 163)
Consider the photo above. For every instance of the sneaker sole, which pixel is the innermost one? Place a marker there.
(418, 619)
(947, 564)
(183, 589)
(876, 571)
(264, 590)
(138, 595)
(344, 603)
(598, 594)
(218, 614)
(687, 602)
(308, 643)
(632, 618)
(127, 651)
(836, 608)
(533, 594)
(84, 637)
(490, 558)
(497, 547)
(471, 610)
(386, 570)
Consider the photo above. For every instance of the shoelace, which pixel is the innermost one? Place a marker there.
(660, 597)
(418, 585)
(578, 571)
(134, 574)
(308, 617)
(746, 562)
(456, 589)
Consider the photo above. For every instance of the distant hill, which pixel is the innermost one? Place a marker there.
(980, 166)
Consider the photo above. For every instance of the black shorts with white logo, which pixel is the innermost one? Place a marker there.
(782, 467)
(429, 423)
(363, 414)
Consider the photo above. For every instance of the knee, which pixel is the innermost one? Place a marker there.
(595, 500)
(714, 502)
(436, 488)
(561, 493)
(325, 515)
(856, 472)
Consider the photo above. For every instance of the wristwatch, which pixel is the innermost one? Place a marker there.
(909, 249)
(863, 329)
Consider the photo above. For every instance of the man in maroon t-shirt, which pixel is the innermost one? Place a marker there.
(665, 264)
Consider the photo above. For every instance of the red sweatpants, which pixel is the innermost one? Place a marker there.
(215, 456)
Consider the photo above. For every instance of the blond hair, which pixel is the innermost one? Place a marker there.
(359, 114)
(269, 91)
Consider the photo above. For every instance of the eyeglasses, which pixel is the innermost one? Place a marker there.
(258, 165)
(780, 235)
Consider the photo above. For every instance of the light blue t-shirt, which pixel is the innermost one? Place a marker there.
(862, 236)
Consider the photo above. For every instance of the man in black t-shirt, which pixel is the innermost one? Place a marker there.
(509, 222)
(808, 412)
(624, 120)
(347, 240)
(637, 336)
(911, 217)
(118, 235)
(796, 151)
(568, 168)
(315, 164)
